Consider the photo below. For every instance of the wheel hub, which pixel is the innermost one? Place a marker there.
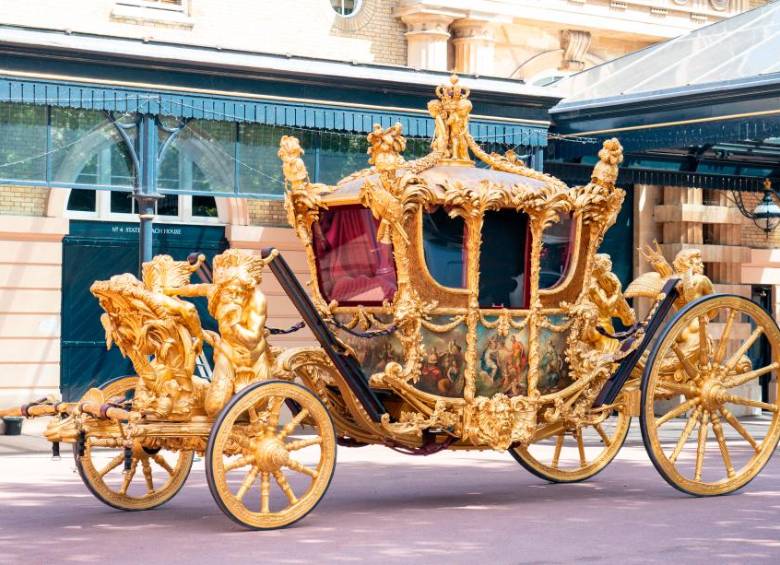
(712, 394)
(270, 455)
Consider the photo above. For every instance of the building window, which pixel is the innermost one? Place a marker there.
(346, 8)
(173, 13)
(86, 204)
(173, 5)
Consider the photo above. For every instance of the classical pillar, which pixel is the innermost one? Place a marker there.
(427, 38)
(474, 44)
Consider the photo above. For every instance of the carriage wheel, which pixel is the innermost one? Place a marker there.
(576, 455)
(252, 443)
(706, 391)
(152, 480)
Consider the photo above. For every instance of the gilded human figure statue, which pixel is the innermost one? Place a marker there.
(241, 353)
(606, 294)
(451, 120)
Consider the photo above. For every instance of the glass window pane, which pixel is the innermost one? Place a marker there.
(22, 142)
(443, 239)
(121, 203)
(556, 252)
(168, 205)
(87, 149)
(204, 206)
(260, 170)
(341, 155)
(82, 200)
(352, 266)
(209, 145)
(502, 260)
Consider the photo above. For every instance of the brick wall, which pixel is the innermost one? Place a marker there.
(267, 213)
(377, 24)
(23, 201)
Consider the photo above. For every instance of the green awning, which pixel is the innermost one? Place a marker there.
(230, 109)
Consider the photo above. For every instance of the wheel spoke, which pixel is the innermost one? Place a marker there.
(674, 412)
(281, 480)
(687, 431)
(252, 412)
(160, 460)
(292, 424)
(238, 463)
(742, 401)
(603, 434)
(737, 380)
(147, 470)
(247, 484)
(704, 342)
(701, 446)
(265, 493)
(296, 466)
(301, 443)
(724, 338)
(558, 446)
(113, 464)
(724, 450)
(580, 447)
(690, 370)
(128, 478)
(732, 420)
(677, 388)
(734, 359)
(274, 410)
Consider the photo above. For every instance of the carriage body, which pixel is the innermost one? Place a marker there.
(459, 302)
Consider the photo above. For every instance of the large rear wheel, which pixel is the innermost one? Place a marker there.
(276, 435)
(700, 385)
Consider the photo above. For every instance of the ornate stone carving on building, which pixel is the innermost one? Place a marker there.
(575, 44)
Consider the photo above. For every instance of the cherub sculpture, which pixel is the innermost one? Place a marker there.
(385, 147)
(605, 293)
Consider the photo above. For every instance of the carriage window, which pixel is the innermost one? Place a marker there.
(443, 246)
(556, 252)
(352, 266)
(503, 260)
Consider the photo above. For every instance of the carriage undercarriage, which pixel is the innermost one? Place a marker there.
(454, 307)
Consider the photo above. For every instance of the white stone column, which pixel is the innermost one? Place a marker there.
(474, 44)
(427, 39)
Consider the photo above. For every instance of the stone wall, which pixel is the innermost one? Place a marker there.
(298, 27)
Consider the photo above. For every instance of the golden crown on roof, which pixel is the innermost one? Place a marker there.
(452, 90)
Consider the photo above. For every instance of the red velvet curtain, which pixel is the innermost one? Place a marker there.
(353, 267)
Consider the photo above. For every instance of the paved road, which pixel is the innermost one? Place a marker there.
(454, 507)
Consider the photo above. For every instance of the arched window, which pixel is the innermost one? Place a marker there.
(346, 8)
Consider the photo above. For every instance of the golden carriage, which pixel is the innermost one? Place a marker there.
(456, 305)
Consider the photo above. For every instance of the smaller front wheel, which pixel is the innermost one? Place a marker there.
(277, 434)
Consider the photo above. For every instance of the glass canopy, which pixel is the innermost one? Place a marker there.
(740, 49)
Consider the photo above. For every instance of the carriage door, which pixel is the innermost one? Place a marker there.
(98, 250)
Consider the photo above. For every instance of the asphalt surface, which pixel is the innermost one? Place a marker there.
(384, 507)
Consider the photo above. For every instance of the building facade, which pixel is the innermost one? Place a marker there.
(230, 78)
(88, 117)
